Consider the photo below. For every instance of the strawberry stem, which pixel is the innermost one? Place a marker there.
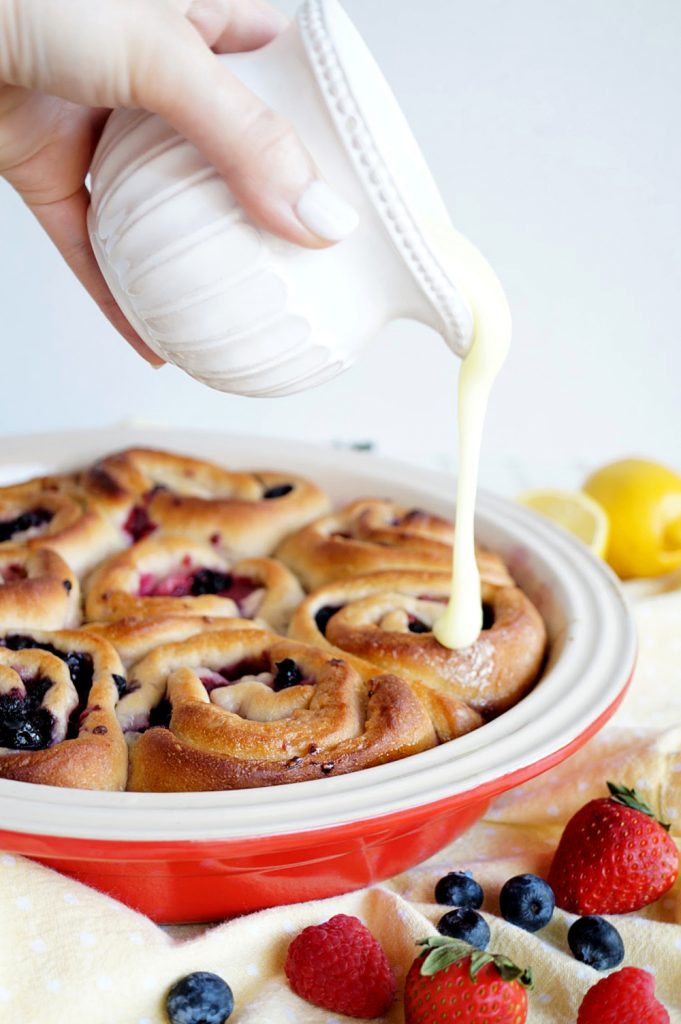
(630, 798)
(443, 951)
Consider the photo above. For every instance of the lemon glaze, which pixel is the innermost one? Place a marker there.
(461, 622)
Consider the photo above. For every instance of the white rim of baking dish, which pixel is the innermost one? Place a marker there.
(587, 677)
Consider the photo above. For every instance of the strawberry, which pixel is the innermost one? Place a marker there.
(614, 856)
(625, 997)
(452, 979)
(340, 966)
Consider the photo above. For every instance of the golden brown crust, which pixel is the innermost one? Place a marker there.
(96, 757)
(121, 587)
(334, 721)
(373, 619)
(177, 494)
(172, 598)
(134, 638)
(37, 589)
(80, 536)
(371, 535)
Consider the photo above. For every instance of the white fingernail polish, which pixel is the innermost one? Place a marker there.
(325, 213)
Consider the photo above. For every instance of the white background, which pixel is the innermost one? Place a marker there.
(553, 131)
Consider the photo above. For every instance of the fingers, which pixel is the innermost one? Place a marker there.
(232, 26)
(255, 149)
(146, 53)
(65, 221)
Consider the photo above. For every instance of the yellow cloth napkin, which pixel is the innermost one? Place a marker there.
(69, 954)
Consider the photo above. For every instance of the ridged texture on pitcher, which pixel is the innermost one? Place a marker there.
(192, 273)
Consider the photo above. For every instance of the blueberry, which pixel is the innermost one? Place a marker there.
(466, 925)
(26, 521)
(24, 723)
(81, 671)
(527, 901)
(121, 683)
(18, 642)
(324, 614)
(278, 491)
(458, 889)
(416, 626)
(288, 674)
(200, 998)
(595, 942)
(210, 581)
(138, 525)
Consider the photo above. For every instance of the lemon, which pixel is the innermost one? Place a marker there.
(575, 512)
(643, 502)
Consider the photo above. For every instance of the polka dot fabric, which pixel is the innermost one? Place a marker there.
(68, 953)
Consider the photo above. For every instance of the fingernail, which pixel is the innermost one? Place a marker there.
(271, 18)
(325, 213)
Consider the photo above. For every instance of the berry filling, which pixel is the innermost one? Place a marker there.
(198, 582)
(417, 626)
(121, 683)
(277, 491)
(138, 525)
(32, 520)
(24, 723)
(285, 674)
(160, 715)
(12, 573)
(288, 674)
(214, 681)
(414, 515)
(487, 616)
(80, 669)
(248, 667)
(324, 614)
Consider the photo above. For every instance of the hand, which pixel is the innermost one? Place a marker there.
(64, 65)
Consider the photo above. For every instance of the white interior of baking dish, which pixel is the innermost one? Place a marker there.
(592, 654)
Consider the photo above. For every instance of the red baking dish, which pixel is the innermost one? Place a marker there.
(202, 856)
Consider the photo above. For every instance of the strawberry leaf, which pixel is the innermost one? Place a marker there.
(478, 960)
(441, 952)
(510, 972)
(630, 798)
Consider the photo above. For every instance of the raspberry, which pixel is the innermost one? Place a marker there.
(624, 997)
(340, 966)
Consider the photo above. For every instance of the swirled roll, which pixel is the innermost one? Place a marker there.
(371, 535)
(143, 491)
(250, 709)
(174, 575)
(58, 696)
(387, 619)
(37, 588)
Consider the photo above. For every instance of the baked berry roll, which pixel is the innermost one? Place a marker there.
(45, 513)
(58, 725)
(387, 619)
(37, 588)
(134, 638)
(370, 535)
(250, 709)
(143, 491)
(174, 575)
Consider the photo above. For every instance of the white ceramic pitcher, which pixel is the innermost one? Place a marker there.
(236, 307)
